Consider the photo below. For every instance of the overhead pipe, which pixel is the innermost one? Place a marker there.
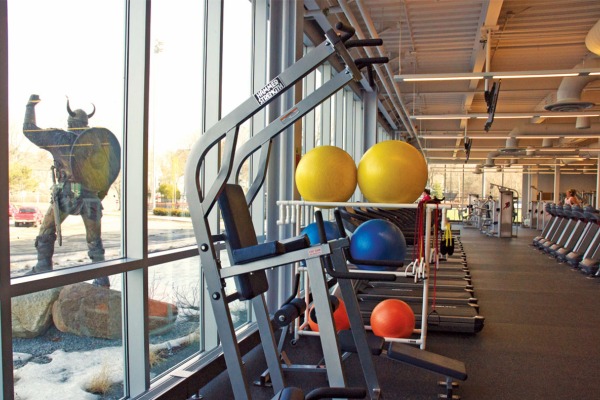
(544, 129)
(400, 109)
(374, 35)
(390, 75)
(323, 23)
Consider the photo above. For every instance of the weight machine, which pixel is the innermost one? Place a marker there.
(250, 259)
(506, 210)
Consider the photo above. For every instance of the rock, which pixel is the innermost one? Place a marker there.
(32, 313)
(88, 310)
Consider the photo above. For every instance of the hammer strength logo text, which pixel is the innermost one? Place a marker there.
(269, 90)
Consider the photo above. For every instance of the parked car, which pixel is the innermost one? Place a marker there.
(12, 210)
(28, 216)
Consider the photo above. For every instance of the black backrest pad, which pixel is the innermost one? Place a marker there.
(239, 233)
(236, 217)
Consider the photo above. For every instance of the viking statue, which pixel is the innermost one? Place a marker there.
(86, 163)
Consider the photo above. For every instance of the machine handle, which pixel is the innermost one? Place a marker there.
(347, 29)
(363, 43)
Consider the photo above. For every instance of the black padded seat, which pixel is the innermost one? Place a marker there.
(426, 360)
(347, 344)
(242, 242)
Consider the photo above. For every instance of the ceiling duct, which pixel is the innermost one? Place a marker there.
(568, 96)
(489, 162)
(583, 123)
(547, 142)
(592, 40)
(511, 145)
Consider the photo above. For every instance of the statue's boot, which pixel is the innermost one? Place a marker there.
(45, 249)
(96, 254)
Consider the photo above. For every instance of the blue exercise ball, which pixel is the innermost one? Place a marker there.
(380, 240)
(331, 232)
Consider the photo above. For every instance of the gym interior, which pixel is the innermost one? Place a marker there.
(299, 199)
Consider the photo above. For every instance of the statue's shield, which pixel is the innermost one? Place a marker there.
(96, 159)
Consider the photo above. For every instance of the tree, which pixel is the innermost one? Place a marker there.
(437, 190)
(166, 190)
(20, 178)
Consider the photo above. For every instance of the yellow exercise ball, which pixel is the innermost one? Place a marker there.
(326, 174)
(392, 172)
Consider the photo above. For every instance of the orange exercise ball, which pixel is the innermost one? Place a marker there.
(393, 318)
(340, 318)
(392, 172)
(326, 174)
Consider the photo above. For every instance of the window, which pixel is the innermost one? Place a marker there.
(64, 152)
(175, 121)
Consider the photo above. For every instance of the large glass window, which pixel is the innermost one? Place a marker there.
(66, 119)
(175, 118)
(67, 342)
(175, 292)
(237, 67)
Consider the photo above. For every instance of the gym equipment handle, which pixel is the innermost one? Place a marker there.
(348, 31)
(363, 43)
(361, 62)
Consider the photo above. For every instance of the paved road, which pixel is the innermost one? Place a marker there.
(163, 233)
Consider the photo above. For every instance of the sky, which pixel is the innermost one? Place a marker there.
(75, 48)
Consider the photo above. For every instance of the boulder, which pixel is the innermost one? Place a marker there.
(88, 310)
(32, 313)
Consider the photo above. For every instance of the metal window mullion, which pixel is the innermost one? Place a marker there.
(359, 141)
(212, 97)
(309, 120)
(7, 384)
(370, 119)
(326, 108)
(338, 119)
(135, 283)
(349, 131)
(260, 22)
(259, 79)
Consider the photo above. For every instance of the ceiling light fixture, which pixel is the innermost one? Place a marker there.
(504, 137)
(496, 75)
(505, 115)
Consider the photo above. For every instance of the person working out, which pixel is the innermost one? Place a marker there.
(426, 195)
(571, 198)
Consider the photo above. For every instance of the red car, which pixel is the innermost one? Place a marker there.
(28, 216)
(12, 210)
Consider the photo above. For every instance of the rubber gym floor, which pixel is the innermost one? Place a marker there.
(541, 338)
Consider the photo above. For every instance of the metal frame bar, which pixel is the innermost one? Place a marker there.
(135, 241)
(202, 201)
(6, 388)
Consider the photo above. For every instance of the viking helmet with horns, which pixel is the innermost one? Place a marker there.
(78, 118)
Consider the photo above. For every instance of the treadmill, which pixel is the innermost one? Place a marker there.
(578, 230)
(576, 256)
(444, 318)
